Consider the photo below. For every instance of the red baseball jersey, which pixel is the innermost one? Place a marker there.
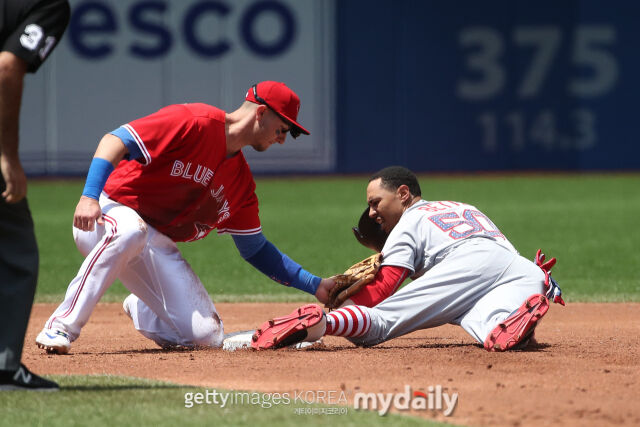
(184, 185)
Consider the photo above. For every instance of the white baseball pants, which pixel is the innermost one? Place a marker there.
(170, 305)
(477, 285)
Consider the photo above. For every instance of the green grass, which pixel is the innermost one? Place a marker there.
(103, 400)
(586, 221)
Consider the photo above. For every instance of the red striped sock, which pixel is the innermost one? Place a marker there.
(350, 321)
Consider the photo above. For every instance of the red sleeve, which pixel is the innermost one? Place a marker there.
(170, 125)
(386, 283)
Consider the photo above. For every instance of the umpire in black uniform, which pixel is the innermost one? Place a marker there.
(29, 30)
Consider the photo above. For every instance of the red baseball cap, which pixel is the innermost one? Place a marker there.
(282, 100)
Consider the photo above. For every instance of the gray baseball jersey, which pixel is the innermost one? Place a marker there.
(427, 231)
(465, 272)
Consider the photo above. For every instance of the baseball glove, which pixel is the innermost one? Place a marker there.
(352, 280)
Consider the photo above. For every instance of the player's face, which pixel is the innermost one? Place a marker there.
(385, 206)
(271, 129)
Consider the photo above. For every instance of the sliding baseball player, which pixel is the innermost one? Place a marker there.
(464, 272)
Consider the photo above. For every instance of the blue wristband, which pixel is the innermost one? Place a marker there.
(307, 282)
(99, 171)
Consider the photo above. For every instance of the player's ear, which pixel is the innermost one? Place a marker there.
(404, 193)
(260, 111)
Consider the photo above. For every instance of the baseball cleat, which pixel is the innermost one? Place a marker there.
(54, 341)
(289, 330)
(519, 327)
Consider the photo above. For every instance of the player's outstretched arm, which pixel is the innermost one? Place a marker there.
(268, 259)
(108, 154)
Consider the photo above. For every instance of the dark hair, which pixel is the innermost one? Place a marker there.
(393, 177)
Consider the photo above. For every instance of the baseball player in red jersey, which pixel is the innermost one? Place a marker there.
(174, 176)
(464, 272)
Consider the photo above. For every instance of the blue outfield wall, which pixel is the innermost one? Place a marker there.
(502, 85)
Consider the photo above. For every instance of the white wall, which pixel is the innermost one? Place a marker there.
(74, 99)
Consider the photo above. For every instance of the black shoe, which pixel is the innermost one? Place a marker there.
(22, 379)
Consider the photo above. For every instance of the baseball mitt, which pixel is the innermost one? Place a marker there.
(352, 280)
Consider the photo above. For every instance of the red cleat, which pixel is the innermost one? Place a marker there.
(518, 327)
(287, 330)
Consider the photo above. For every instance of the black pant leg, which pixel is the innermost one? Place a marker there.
(18, 278)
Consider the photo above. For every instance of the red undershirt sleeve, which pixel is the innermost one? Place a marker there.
(386, 283)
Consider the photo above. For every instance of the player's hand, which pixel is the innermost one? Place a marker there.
(322, 293)
(87, 213)
(14, 177)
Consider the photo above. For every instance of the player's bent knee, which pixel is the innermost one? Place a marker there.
(211, 339)
(208, 332)
(87, 240)
(128, 237)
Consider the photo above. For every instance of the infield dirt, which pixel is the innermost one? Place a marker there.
(584, 370)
